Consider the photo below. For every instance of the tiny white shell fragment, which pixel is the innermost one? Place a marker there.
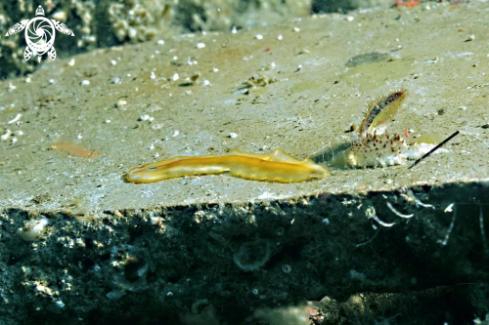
(259, 36)
(200, 45)
(146, 117)
(85, 82)
(449, 208)
(15, 119)
(121, 103)
(6, 135)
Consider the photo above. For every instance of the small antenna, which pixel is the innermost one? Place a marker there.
(434, 149)
(225, 44)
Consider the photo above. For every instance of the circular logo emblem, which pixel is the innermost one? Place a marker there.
(39, 35)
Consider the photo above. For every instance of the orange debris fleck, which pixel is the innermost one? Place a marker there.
(74, 150)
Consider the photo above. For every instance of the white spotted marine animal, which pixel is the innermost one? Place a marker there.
(378, 148)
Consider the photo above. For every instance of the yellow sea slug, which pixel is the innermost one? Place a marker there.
(277, 167)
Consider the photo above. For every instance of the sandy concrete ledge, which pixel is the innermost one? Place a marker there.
(92, 248)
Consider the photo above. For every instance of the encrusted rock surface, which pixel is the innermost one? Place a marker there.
(107, 23)
(163, 264)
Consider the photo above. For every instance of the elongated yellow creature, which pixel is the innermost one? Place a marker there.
(277, 167)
